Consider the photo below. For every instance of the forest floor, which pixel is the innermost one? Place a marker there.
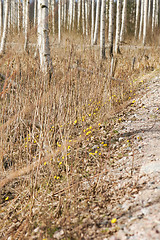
(106, 185)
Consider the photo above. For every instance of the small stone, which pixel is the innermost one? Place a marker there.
(58, 234)
(150, 168)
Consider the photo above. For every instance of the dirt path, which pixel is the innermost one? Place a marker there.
(141, 218)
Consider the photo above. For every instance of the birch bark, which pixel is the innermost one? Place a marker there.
(59, 21)
(96, 23)
(5, 29)
(145, 21)
(153, 14)
(79, 14)
(43, 38)
(1, 17)
(92, 23)
(123, 26)
(141, 19)
(137, 17)
(102, 30)
(110, 30)
(26, 24)
(35, 13)
(118, 25)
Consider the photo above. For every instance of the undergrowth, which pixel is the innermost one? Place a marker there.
(57, 139)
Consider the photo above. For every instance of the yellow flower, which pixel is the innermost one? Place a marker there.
(99, 154)
(69, 147)
(6, 198)
(102, 142)
(90, 127)
(59, 145)
(70, 140)
(99, 124)
(119, 119)
(58, 177)
(89, 115)
(127, 140)
(105, 145)
(55, 177)
(114, 220)
(75, 121)
(96, 151)
(88, 133)
(45, 163)
(63, 157)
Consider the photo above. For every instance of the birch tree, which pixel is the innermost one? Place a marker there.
(53, 9)
(96, 23)
(123, 26)
(137, 17)
(19, 16)
(149, 11)
(78, 14)
(1, 17)
(102, 30)
(110, 30)
(86, 16)
(153, 14)
(26, 24)
(59, 21)
(35, 13)
(83, 16)
(5, 29)
(118, 25)
(92, 22)
(156, 13)
(141, 19)
(43, 38)
(145, 21)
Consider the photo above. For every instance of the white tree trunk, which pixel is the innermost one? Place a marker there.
(26, 24)
(79, 14)
(19, 16)
(110, 30)
(145, 21)
(83, 17)
(156, 13)
(74, 10)
(96, 23)
(92, 23)
(153, 14)
(102, 30)
(149, 11)
(5, 29)
(141, 19)
(43, 38)
(1, 17)
(65, 12)
(24, 13)
(35, 13)
(59, 21)
(137, 17)
(86, 16)
(118, 26)
(70, 14)
(53, 9)
(123, 26)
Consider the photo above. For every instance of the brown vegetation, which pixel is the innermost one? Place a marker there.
(57, 139)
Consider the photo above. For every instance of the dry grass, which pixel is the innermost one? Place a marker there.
(56, 139)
